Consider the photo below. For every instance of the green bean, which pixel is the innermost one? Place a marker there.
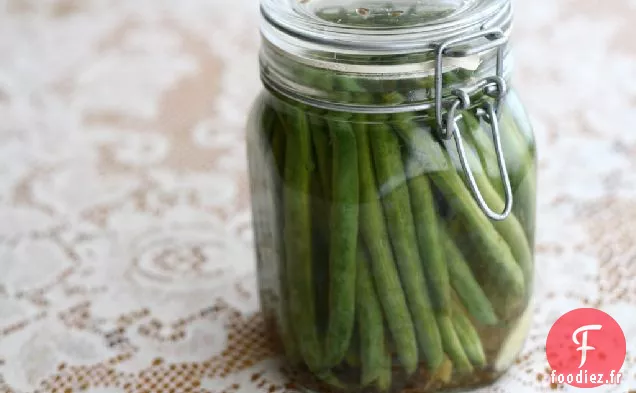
(453, 346)
(465, 284)
(468, 337)
(320, 253)
(277, 136)
(343, 243)
(318, 122)
(297, 234)
(320, 204)
(426, 226)
(384, 272)
(395, 197)
(370, 324)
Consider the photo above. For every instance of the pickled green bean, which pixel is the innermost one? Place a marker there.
(297, 229)
(397, 209)
(344, 240)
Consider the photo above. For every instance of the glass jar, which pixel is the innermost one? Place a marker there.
(393, 181)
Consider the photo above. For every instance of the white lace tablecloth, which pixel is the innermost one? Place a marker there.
(126, 260)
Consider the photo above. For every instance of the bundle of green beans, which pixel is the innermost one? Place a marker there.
(388, 267)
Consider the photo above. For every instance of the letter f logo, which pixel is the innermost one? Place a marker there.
(584, 347)
(565, 348)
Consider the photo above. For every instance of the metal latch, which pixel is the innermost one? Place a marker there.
(494, 87)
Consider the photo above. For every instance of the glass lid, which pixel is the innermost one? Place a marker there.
(382, 24)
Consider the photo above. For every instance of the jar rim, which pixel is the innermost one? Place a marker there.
(290, 21)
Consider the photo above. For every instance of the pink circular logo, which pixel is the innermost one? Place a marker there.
(586, 348)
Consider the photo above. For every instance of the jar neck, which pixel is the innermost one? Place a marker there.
(375, 84)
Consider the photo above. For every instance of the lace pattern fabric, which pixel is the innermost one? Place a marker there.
(126, 260)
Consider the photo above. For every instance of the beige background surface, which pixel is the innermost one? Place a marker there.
(125, 243)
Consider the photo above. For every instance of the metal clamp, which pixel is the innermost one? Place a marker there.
(494, 87)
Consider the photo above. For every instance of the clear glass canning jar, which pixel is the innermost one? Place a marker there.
(393, 180)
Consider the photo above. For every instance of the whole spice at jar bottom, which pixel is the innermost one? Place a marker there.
(410, 273)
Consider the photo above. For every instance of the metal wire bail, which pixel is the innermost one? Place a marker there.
(491, 117)
(494, 87)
